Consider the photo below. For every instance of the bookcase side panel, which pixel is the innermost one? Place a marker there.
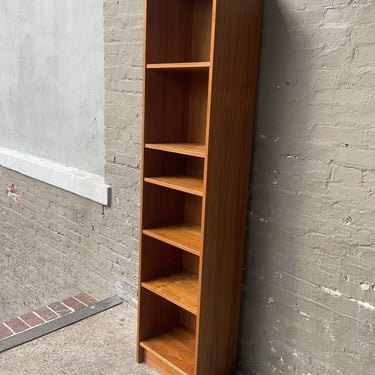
(235, 67)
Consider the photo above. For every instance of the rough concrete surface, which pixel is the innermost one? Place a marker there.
(101, 345)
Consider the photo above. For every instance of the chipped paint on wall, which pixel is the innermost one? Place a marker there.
(13, 193)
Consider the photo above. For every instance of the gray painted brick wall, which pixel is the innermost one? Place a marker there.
(54, 243)
(309, 286)
(309, 281)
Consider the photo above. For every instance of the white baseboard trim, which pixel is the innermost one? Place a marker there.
(74, 180)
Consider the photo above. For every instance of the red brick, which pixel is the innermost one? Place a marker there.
(31, 319)
(59, 308)
(5, 332)
(46, 313)
(86, 298)
(73, 303)
(17, 325)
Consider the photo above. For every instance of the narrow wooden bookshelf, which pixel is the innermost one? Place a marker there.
(200, 74)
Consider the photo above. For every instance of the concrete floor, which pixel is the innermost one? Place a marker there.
(101, 345)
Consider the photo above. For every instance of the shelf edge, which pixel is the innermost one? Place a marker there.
(187, 66)
(174, 186)
(149, 233)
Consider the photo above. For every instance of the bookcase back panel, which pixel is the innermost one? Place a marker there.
(176, 107)
(160, 163)
(163, 207)
(160, 259)
(178, 31)
(193, 209)
(164, 317)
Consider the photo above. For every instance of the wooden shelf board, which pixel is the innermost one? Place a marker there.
(180, 288)
(175, 348)
(191, 149)
(187, 184)
(185, 66)
(185, 237)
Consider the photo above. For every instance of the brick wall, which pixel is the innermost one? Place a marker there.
(308, 295)
(56, 244)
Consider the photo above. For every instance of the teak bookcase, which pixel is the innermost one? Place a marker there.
(201, 59)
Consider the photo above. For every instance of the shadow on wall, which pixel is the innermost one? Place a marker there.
(281, 129)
